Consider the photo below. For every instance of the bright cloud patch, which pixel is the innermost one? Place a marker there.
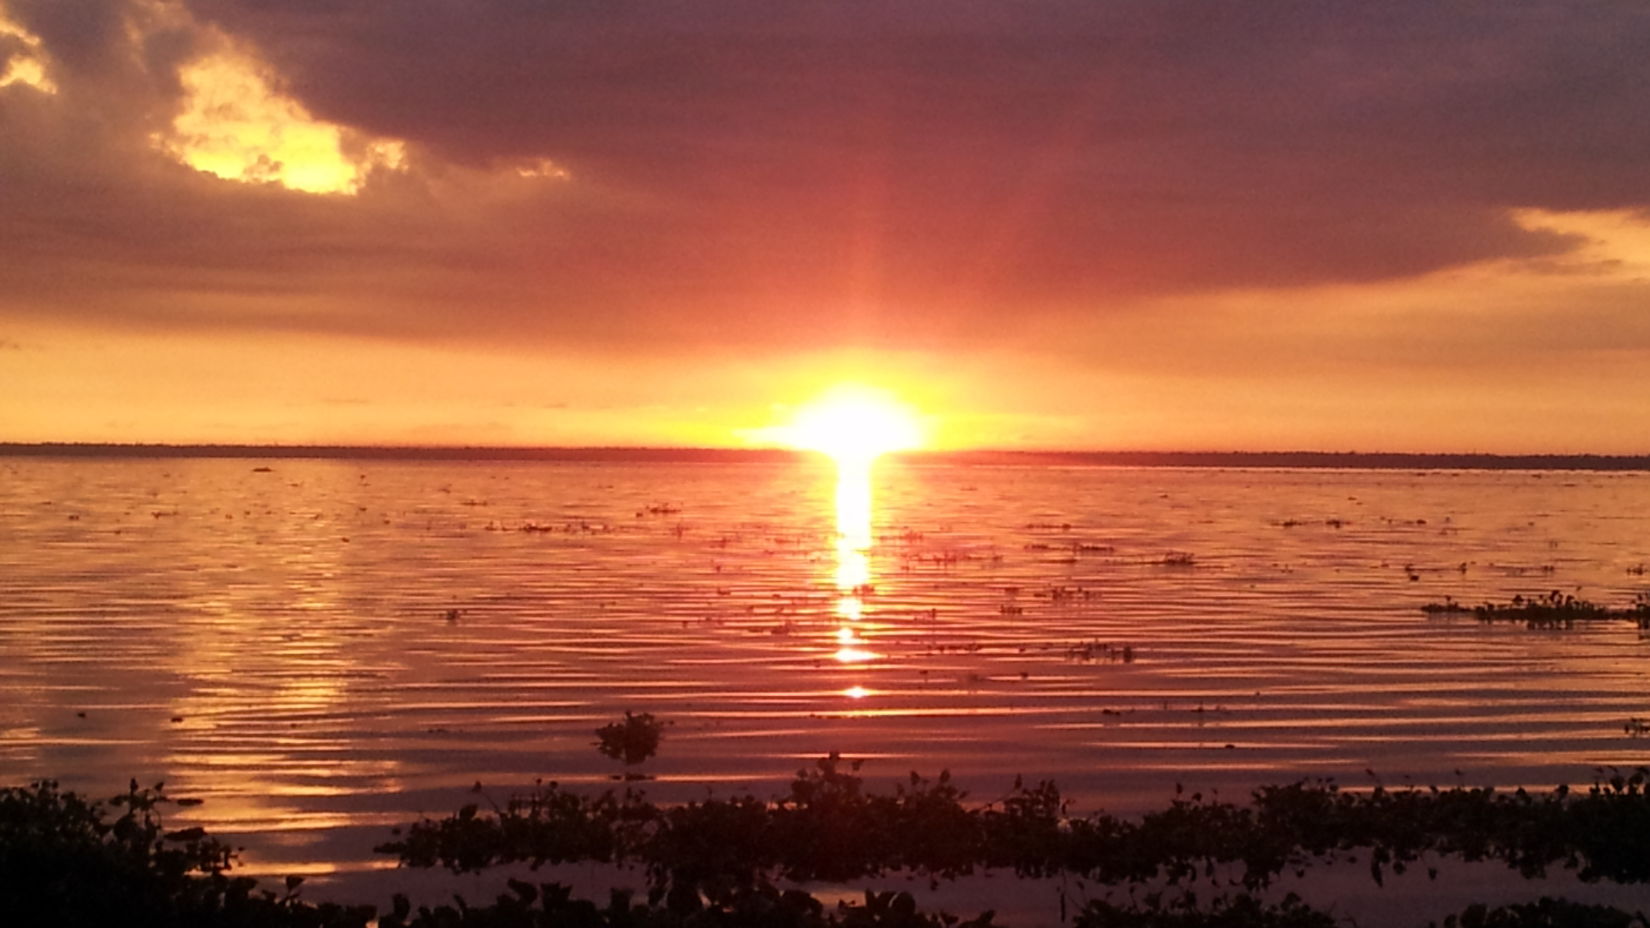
(543, 167)
(23, 64)
(235, 125)
(1617, 241)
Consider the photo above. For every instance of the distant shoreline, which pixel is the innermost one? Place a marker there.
(1211, 459)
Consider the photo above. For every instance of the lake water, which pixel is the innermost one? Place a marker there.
(324, 649)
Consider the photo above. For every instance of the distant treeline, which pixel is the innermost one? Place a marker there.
(401, 452)
(1276, 459)
(1351, 460)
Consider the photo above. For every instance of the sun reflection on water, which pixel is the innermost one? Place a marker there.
(853, 563)
(853, 521)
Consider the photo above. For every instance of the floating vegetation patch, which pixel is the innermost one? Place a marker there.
(1448, 607)
(578, 527)
(1061, 593)
(1185, 911)
(1087, 651)
(633, 740)
(1554, 610)
(1076, 548)
(829, 827)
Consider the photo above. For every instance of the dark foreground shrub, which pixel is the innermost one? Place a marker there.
(65, 862)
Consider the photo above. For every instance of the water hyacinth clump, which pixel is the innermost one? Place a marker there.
(633, 740)
(830, 827)
(1556, 609)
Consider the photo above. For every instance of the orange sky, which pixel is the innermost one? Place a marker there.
(1339, 226)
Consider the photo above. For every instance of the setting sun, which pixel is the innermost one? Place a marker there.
(853, 424)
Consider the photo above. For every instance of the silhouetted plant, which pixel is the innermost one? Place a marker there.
(65, 862)
(1184, 911)
(829, 827)
(760, 906)
(633, 740)
(1545, 913)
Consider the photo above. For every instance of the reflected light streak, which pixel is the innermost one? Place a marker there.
(853, 561)
(849, 609)
(853, 512)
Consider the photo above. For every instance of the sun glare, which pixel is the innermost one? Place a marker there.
(854, 425)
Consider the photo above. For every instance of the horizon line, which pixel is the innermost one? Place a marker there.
(1452, 460)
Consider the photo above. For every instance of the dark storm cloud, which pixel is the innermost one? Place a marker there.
(1533, 103)
(82, 34)
(914, 169)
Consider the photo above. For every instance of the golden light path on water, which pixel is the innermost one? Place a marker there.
(853, 563)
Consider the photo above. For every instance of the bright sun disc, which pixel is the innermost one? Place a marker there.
(854, 425)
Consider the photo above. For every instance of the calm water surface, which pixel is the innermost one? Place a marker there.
(328, 648)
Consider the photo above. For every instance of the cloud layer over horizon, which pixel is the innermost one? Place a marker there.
(950, 175)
